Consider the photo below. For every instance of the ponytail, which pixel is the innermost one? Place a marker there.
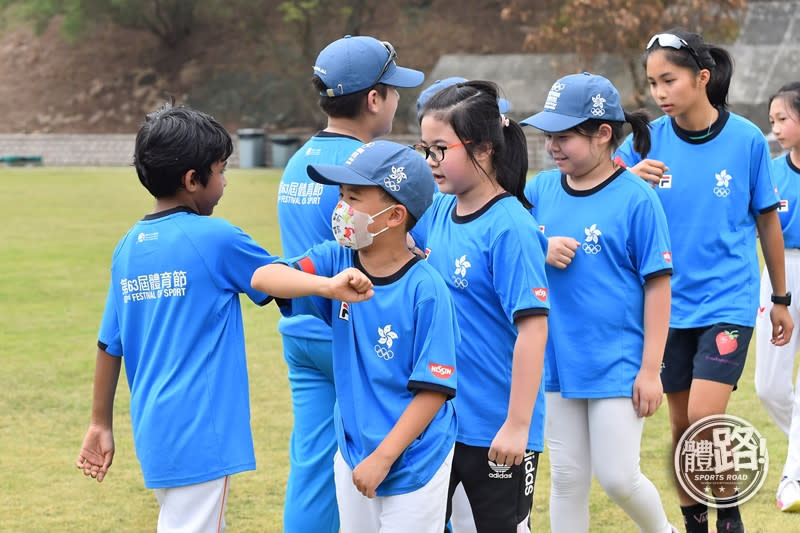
(470, 108)
(721, 74)
(640, 124)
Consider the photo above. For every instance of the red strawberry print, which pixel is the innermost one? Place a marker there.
(726, 341)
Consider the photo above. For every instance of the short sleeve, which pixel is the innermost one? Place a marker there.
(763, 194)
(436, 337)
(650, 246)
(324, 259)
(109, 338)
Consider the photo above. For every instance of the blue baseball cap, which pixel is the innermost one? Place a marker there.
(438, 85)
(352, 64)
(396, 168)
(575, 99)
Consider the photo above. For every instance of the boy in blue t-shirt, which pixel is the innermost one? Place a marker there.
(173, 313)
(394, 337)
(355, 79)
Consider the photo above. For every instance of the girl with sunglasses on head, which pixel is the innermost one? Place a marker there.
(609, 267)
(774, 364)
(480, 238)
(710, 169)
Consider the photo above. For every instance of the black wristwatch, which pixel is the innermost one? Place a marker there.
(782, 300)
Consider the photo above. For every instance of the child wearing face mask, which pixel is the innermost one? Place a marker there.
(395, 336)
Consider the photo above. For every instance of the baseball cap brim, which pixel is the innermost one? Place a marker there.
(553, 122)
(336, 175)
(402, 77)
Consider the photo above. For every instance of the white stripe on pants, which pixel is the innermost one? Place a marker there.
(600, 436)
(196, 508)
(421, 511)
(775, 364)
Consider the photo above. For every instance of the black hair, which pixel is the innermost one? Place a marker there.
(348, 105)
(174, 140)
(640, 125)
(702, 56)
(791, 95)
(470, 108)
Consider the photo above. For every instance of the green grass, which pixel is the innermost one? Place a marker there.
(59, 230)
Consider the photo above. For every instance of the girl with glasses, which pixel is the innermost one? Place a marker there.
(710, 169)
(480, 238)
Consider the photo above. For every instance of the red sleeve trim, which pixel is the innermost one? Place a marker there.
(307, 266)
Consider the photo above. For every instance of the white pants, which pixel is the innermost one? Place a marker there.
(420, 511)
(196, 508)
(775, 365)
(461, 520)
(600, 437)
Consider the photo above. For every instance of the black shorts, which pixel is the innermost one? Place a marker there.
(500, 496)
(716, 353)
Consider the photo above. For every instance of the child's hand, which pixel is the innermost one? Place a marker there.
(561, 251)
(647, 393)
(369, 473)
(96, 453)
(350, 285)
(508, 446)
(782, 325)
(650, 170)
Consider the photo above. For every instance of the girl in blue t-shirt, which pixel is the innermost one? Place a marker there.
(609, 266)
(774, 364)
(710, 169)
(480, 238)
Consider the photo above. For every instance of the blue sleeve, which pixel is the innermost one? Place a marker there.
(320, 260)
(763, 194)
(234, 256)
(436, 337)
(522, 286)
(626, 153)
(532, 193)
(650, 247)
(109, 338)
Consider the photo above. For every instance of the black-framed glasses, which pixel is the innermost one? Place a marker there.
(389, 61)
(435, 152)
(673, 41)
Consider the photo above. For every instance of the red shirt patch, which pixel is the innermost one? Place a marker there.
(441, 371)
(667, 256)
(540, 293)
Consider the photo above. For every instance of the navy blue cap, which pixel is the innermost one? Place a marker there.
(575, 99)
(352, 64)
(438, 85)
(396, 168)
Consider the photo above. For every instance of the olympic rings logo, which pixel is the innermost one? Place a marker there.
(590, 248)
(383, 353)
(598, 111)
(391, 184)
(722, 192)
(461, 283)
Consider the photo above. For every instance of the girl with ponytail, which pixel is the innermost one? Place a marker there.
(480, 237)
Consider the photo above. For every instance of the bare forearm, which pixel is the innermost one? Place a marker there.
(282, 281)
(771, 236)
(416, 417)
(106, 377)
(657, 301)
(526, 368)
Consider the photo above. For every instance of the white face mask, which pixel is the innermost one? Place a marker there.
(350, 226)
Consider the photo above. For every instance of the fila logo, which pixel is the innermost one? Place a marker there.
(344, 311)
(667, 256)
(784, 207)
(499, 471)
(665, 182)
(427, 252)
(540, 293)
(441, 371)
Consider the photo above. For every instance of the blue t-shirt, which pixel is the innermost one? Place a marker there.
(173, 313)
(493, 263)
(596, 327)
(787, 182)
(387, 348)
(304, 213)
(715, 189)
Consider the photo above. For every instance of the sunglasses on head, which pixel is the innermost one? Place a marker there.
(673, 41)
(392, 57)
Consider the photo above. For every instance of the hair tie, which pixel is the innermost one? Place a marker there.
(504, 121)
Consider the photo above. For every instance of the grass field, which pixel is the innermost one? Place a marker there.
(60, 227)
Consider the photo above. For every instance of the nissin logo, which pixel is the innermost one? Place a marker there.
(540, 293)
(441, 371)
